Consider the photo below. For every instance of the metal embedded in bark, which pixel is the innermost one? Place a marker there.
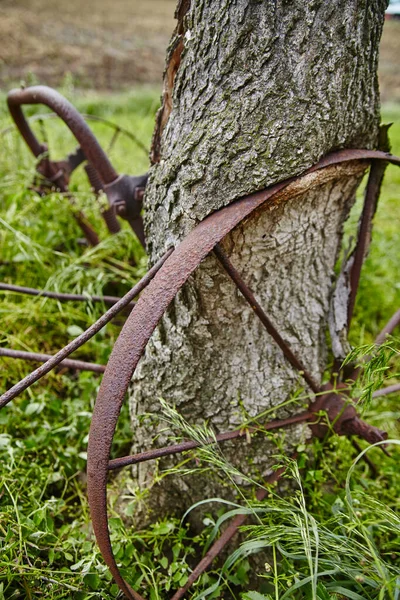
(160, 286)
(141, 324)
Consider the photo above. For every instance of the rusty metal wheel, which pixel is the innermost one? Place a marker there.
(148, 311)
(124, 193)
(159, 287)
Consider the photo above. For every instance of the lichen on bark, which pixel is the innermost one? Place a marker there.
(261, 92)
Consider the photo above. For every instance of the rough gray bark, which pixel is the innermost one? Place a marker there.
(255, 92)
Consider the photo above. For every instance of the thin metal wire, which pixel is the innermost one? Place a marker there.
(124, 461)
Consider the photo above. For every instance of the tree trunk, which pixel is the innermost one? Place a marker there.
(254, 92)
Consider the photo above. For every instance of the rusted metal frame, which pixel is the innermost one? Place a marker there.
(87, 117)
(375, 178)
(134, 459)
(71, 117)
(108, 214)
(57, 173)
(62, 297)
(85, 336)
(39, 357)
(141, 324)
(82, 221)
(121, 190)
(265, 320)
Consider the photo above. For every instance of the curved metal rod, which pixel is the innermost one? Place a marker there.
(141, 323)
(41, 94)
(134, 459)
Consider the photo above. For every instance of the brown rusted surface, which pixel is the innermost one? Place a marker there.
(124, 192)
(225, 537)
(124, 461)
(372, 192)
(339, 414)
(108, 214)
(141, 323)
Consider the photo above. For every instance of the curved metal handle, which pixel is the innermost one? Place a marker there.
(72, 118)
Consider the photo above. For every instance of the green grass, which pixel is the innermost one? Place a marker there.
(47, 548)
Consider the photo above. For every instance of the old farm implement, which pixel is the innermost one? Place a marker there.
(159, 287)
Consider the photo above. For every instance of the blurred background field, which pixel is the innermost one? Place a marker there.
(113, 45)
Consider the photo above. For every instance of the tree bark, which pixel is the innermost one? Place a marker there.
(254, 92)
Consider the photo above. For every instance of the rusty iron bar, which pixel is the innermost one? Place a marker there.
(225, 537)
(39, 357)
(72, 118)
(82, 221)
(142, 322)
(273, 332)
(124, 461)
(62, 297)
(108, 215)
(389, 328)
(123, 191)
(85, 336)
(375, 178)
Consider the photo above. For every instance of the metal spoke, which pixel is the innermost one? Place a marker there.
(62, 297)
(225, 537)
(390, 389)
(249, 296)
(372, 191)
(117, 463)
(84, 337)
(39, 357)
